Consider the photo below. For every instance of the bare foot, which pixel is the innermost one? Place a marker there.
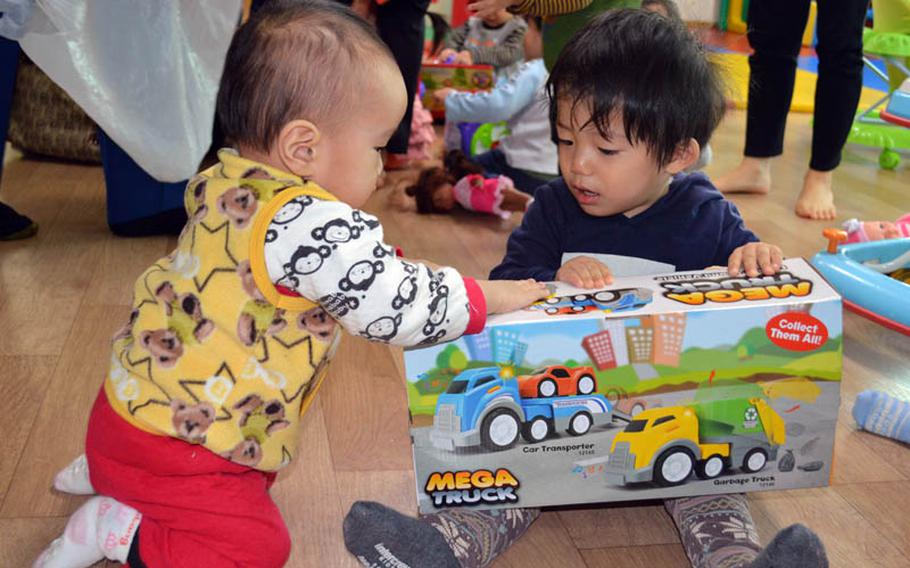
(816, 200)
(752, 175)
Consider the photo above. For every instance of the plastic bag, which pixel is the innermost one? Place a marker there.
(146, 72)
(13, 16)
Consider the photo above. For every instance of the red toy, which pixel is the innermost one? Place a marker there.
(557, 380)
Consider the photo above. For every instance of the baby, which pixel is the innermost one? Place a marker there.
(231, 334)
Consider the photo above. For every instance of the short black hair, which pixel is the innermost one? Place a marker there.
(649, 69)
(294, 59)
(669, 7)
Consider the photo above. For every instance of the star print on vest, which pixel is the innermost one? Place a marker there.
(211, 353)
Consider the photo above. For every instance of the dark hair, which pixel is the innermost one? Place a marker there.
(457, 165)
(428, 183)
(669, 7)
(294, 59)
(646, 67)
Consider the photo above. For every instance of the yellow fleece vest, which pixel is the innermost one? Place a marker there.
(213, 354)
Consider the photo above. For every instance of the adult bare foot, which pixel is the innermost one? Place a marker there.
(752, 175)
(816, 200)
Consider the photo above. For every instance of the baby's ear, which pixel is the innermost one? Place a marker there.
(686, 155)
(297, 146)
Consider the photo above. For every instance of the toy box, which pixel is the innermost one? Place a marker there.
(658, 386)
(460, 77)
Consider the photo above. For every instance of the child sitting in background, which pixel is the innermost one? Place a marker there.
(527, 155)
(495, 39)
(461, 182)
(231, 334)
(626, 133)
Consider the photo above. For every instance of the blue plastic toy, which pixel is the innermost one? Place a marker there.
(859, 271)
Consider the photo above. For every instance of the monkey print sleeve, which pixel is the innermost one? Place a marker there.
(335, 255)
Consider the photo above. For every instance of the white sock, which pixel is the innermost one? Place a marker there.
(101, 528)
(74, 479)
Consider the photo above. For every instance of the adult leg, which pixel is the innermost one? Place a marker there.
(400, 25)
(837, 92)
(775, 34)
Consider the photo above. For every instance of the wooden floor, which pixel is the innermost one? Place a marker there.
(63, 293)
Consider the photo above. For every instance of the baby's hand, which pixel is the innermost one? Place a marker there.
(754, 256)
(440, 95)
(509, 295)
(446, 53)
(464, 58)
(585, 272)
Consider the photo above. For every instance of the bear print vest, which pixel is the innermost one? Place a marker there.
(213, 353)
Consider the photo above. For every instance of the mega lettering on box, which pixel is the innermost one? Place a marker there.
(661, 386)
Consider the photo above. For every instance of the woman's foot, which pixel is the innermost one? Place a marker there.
(752, 175)
(14, 226)
(816, 200)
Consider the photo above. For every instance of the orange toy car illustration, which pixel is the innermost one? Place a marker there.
(557, 380)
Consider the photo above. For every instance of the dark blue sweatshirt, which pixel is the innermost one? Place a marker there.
(690, 228)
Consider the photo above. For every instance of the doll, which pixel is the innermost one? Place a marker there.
(461, 182)
(865, 231)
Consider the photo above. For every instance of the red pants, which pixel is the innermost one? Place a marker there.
(198, 509)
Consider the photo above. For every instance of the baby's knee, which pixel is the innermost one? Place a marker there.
(275, 553)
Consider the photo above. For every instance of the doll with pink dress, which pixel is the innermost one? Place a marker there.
(461, 183)
(865, 231)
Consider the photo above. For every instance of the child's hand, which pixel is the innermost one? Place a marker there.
(464, 58)
(754, 256)
(446, 53)
(482, 8)
(509, 295)
(440, 95)
(585, 272)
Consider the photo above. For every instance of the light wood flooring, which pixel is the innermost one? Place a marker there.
(63, 293)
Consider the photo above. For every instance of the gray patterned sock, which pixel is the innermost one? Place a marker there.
(716, 530)
(478, 537)
(381, 537)
(794, 547)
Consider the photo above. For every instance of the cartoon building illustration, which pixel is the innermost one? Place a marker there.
(641, 341)
(600, 349)
(518, 355)
(506, 347)
(669, 331)
(479, 346)
(617, 329)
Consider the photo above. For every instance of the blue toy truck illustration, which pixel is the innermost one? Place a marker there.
(482, 408)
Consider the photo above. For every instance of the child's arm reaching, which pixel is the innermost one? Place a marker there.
(534, 249)
(739, 249)
(507, 98)
(334, 255)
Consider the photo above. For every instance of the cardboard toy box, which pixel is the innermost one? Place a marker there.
(459, 77)
(658, 386)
